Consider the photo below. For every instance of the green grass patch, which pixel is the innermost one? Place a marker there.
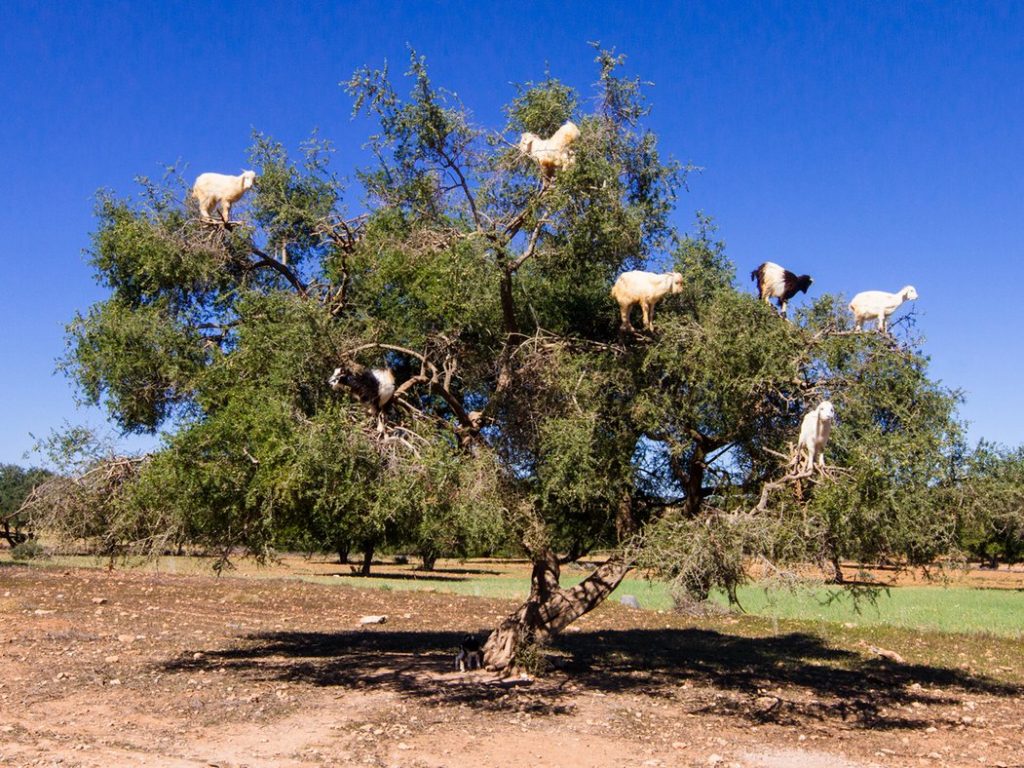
(944, 609)
(939, 608)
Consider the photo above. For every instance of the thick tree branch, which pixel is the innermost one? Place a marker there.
(265, 261)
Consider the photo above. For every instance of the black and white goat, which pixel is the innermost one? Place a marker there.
(775, 282)
(373, 386)
(471, 654)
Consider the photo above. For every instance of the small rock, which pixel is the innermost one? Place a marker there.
(115, 681)
(41, 612)
(934, 755)
(99, 600)
(196, 656)
(885, 653)
(111, 659)
(679, 745)
(373, 620)
(629, 601)
(403, 745)
(715, 759)
(126, 638)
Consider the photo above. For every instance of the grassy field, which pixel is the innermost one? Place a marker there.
(951, 609)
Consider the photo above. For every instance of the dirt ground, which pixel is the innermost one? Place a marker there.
(132, 668)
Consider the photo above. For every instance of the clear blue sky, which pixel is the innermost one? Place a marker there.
(869, 144)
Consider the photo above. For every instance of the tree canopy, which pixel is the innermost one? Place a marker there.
(523, 416)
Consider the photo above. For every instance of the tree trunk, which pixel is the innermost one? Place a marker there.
(693, 482)
(549, 608)
(343, 554)
(429, 559)
(837, 571)
(367, 560)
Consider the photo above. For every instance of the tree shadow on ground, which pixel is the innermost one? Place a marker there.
(782, 679)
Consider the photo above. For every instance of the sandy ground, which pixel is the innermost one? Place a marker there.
(131, 668)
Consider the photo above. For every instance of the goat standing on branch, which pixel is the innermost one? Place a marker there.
(645, 289)
(374, 386)
(775, 282)
(878, 305)
(814, 433)
(551, 154)
(211, 188)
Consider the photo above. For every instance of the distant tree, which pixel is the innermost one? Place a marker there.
(16, 484)
(521, 407)
(990, 501)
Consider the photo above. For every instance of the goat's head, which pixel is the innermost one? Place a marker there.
(909, 293)
(677, 282)
(526, 142)
(567, 134)
(335, 380)
(248, 179)
(826, 412)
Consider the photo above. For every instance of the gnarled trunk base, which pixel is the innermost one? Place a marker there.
(550, 609)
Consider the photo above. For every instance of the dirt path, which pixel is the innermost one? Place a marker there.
(128, 668)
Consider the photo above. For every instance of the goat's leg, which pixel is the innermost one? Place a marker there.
(647, 308)
(624, 313)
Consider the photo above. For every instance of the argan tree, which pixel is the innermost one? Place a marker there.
(521, 409)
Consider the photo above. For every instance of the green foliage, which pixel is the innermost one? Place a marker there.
(295, 205)
(138, 360)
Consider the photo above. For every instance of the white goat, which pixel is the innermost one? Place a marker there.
(814, 433)
(775, 282)
(550, 154)
(373, 386)
(211, 188)
(645, 289)
(878, 305)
